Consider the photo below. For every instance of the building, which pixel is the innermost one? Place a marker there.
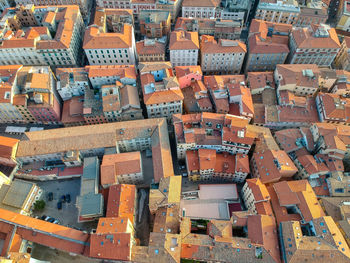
(154, 23)
(184, 48)
(333, 108)
(48, 35)
(48, 234)
(231, 10)
(186, 75)
(210, 201)
(119, 136)
(272, 166)
(310, 167)
(314, 12)
(120, 102)
(302, 80)
(220, 244)
(199, 9)
(19, 196)
(197, 98)
(331, 140)
(267, 45)
(111, 19)
(105, 75)
(110, 47)
(8, 149)
(229, 94)
(341, 61)
(292, 140)
(290, 114)
(29, 95)
(207, 165)
(84, 5)
(278, 11)
(122, 200)
(256, 197)
(161, 92)
(92, 108)
(222, 132)
(318, 44)
(121, 168)
(294, 201)
(113, 240)
(259, 81)
(344, 17)
(135, 6)
(150, 50)
(71, 82)
(90, 201)
(338, 209)
(223, 57)
(324, 239)
(219, 28)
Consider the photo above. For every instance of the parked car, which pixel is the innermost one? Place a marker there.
(48, 218)
(43, 217)
(50, 196)
(59, 205)
(56, 221)
(51, 220)
(63, 198)
(68, 198)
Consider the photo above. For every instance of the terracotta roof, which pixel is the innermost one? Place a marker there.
(209, 45)
(294, 193)
(257, 80)
(114, 165)
(312, 165)
(182, 71)
(260, 41)
(111, 240)
(121, 201)
(326, 244)
(180, 40)
(7, 145)
(156, 48)
(335, 107)
(274, 165)
(261, 196)
(94, 39)
(123, 71)
(45, 233)
(200, 3)
(302, 75)
(306, 37)
(289, 139)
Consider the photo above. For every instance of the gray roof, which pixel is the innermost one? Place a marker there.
(90, 205)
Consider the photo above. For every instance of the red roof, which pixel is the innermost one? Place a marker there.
(122, 201)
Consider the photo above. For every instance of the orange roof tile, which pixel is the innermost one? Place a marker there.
(180, 40)
(308, 38)
(209, 45)
(121, 201)
(6, 146)
(94, 39)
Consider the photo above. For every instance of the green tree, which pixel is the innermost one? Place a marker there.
(39, 205)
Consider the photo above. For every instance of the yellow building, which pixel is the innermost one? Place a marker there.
(8, 149)
(342, 60)
(344, 17)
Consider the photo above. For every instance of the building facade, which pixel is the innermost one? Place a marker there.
(223, 57)
(318, 45)
(184, 48)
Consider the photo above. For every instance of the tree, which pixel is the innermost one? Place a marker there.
(39, 205)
